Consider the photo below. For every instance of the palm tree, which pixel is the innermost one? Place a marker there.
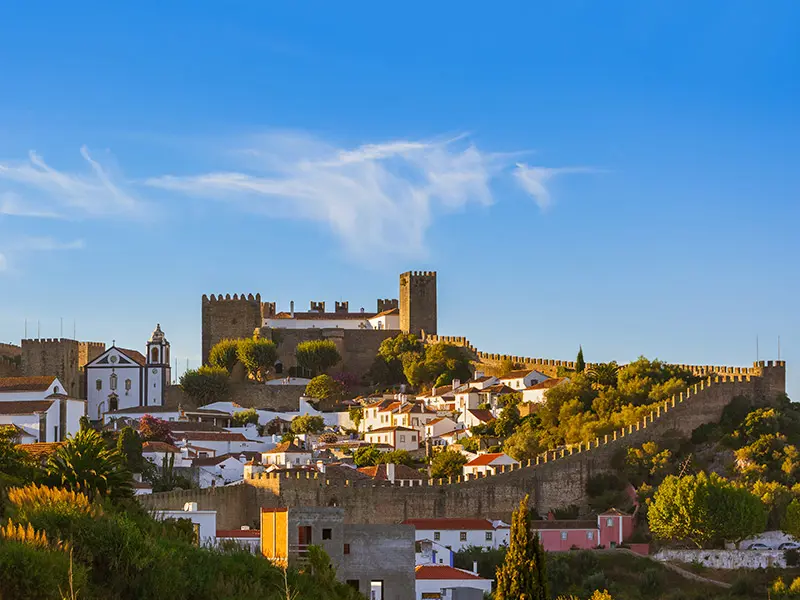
(604, 373)
(84, 464)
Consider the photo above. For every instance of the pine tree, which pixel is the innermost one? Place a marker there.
(580, 364)
(522, 576)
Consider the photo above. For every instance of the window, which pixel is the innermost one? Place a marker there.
(113, 379)
(436, 536)
(98, 385)
(563, 535)
(413, 437)
(609, 522)
(326, 534)
(346, 549)
(402, 438)
(462, 536)
(488, 536)
(590, 535)
(154, 355)
(127, 385)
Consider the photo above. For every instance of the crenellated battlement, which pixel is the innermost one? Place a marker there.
(385, 304)
(420, 274)
(228, 298)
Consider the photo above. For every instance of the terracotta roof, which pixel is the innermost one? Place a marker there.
(40, 449)
(518, 374)
(547, 383)
(481, 379)
(442, 390)
(469, 390)
(182, 426)
(454, 524)
(481, 414)
(210, 461)
(387, 429)
(25, 384)
(613, 512)
(326, 316)
(386, 313)
(142, 410)
(455, 432)
(134, 355)
(498, 388)
(24, 407)
(284, 447)
(436, 420)
(416, 408)
(238, 533)
(485, 459)
(159, 447)
(564, 524)
(213, 436)
(444, 572)
(400, 472)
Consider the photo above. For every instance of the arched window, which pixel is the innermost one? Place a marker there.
(154, 355)
(113, 402)
(98, 384)
(113, 381)
(127, 385)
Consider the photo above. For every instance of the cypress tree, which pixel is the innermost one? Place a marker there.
(580, 365)
(522, 576)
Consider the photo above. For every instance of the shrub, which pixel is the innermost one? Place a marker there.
(32, 573)
(258, 356)
(317, 355)
(206, 384)
(224, 355)
(32, 499)
(792, 557)
(243, 418)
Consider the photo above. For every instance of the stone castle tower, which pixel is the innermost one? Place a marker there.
(418, 302)
(61, 357)
(231, 317)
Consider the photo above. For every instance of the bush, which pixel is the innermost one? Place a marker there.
(792, 557)
(317, 355)
(651, 582)
(243, 418)
(206, 384)
(258, 357)
(31, 573)
(224, 355)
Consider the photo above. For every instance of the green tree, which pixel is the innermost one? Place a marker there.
(604, 374)
(84, 464)
(246, 417)
(580, 364)
(702, 508)
(308, 424)
(15, 465)
(507, 422)
(523, 444)
(506, 366)
(224, 354)
(447, 463)
(366, 456)
(317, 355)
(323, 387)
(129, 445)
(523, 573)
(791, 520)
(84, 422)
(206, 384)
(397, 457)
(258, 357)
(356, 414)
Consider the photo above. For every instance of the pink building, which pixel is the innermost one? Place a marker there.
(611, 529)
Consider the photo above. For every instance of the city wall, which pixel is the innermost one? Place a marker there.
(279, 398)
(556, 478)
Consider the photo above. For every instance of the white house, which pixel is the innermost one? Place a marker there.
(489, 464)
(120, 378)
(466, 399)
(14, 389)
(476, 416)
(399, 438)
(481, 381)
(219, 470)
(48, 420)
(341, 318)
(414, 415)
(457, 534)
(428, 552)
(222, 442)
(18, 434)
(522, 378)
(388, 319)
(244, 537)
(158, 452)
(441, 581)
(205, 521)
(438, 426)
(536, 393)
(286, 454)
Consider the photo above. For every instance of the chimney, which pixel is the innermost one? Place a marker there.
(475, 567)
(321, 466)
(190, 507)
(551, 516)
(478, 374)
(433, 391)
(291, 308)
(456, 384)
(390, 472)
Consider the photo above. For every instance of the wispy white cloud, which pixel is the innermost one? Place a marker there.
(41, 191)
(14, 249)
(534, 179)
(377, 198)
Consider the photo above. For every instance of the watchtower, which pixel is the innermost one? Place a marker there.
(418, 302)
(230, 317)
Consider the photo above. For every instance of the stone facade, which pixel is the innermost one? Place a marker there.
(10, 360)
(62, 357)
(278, 398)
(418, 302)
(555, 479)
(230, 317)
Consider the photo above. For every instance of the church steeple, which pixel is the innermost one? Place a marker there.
(157, 373)
(158, 348)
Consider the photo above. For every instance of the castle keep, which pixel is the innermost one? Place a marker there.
(357, 335)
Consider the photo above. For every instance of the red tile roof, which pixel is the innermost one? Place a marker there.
(238, 533)
(498, 388)
(385, 429)
(24, 407)
(329, 316)
(481, 414)
(289, 447)
(213, 436)
(444, 572)
(400, 472)
(547, 383)
(391, 311)
(518, 374)
(134, 355)
(159, 447)
(454, 524)
(484, 459)
(564, 524)
(25, 384)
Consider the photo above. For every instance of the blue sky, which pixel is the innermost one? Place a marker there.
(620, 175)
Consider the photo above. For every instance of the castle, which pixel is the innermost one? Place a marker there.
(357, 335)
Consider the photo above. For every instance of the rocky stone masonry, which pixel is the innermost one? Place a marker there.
(554, 479)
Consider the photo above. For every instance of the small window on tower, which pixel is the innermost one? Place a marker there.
(113, 379)
(127, 385)
(98, 384)
(154, 355)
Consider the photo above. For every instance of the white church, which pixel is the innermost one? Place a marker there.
(121, 378)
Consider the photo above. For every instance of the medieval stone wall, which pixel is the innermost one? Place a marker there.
(280, 398)
(229, 317)
(554, 479)
(418, 304)
(53, 356)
